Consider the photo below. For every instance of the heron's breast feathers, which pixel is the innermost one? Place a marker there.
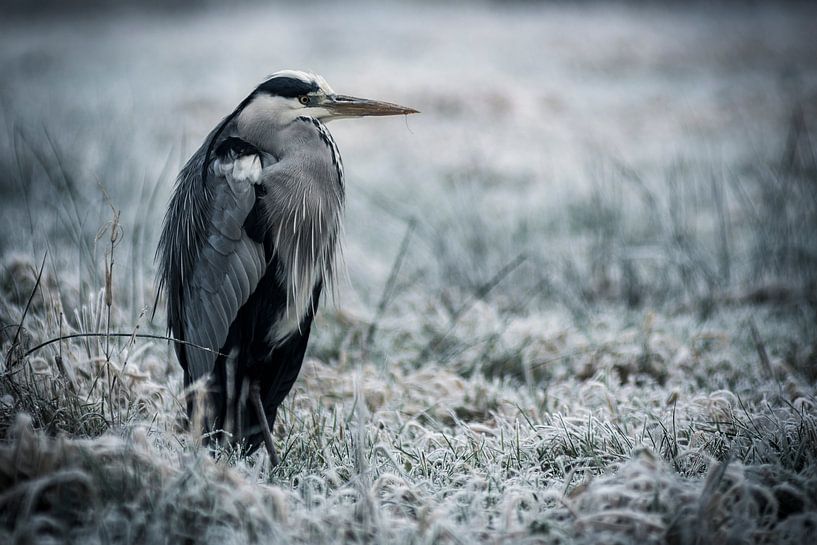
(304, 226)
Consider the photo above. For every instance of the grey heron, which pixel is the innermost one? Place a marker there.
(248, 242)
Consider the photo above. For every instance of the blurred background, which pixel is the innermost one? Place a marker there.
(568, 156)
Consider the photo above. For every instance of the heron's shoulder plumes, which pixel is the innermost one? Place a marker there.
(183, 233)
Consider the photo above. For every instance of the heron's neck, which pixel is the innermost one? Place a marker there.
(265, 115)
(304, 206)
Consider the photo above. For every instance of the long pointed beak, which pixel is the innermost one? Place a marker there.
(346, 106)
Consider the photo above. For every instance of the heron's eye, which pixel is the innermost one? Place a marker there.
(303, 99)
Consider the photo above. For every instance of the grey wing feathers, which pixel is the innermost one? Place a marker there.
(224, 275)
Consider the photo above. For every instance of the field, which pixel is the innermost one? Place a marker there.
(581, 300)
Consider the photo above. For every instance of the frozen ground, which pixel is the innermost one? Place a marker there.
(603, 326)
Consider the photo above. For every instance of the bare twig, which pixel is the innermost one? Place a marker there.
(761, 349)
(130, 342)
(132, 335)
(479, 294)
(388, 289)
(25, 311)
(560, 357)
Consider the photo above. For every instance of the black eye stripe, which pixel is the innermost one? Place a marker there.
(284, 86)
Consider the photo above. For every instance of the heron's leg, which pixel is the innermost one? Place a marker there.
(255, 399)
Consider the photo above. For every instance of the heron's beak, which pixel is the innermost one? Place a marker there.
(346, 106)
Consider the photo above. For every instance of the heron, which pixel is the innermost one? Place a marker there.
(249, 241)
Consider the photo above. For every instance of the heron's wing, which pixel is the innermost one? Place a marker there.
(229, 264)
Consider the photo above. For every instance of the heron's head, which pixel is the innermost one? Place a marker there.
(290, 94)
